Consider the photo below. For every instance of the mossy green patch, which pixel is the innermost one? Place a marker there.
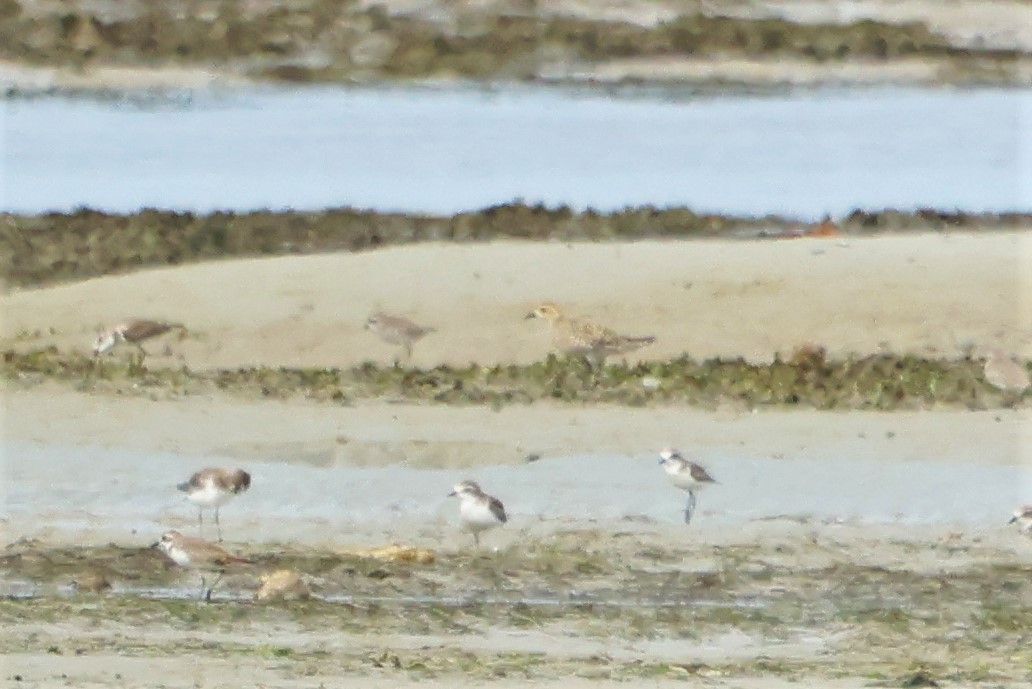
(882, 382)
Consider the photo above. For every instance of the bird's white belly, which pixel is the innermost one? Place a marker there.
(686, 483)
(477, 516)
(179, 556)
(209, 496)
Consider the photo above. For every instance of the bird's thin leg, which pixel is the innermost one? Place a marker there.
(408, 353)
(476, 540)
(200, 521)
(218, 527)
(143, 354)
(205, 592)
(689, 508)
(207, 596)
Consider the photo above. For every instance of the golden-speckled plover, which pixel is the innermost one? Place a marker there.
(584, 338)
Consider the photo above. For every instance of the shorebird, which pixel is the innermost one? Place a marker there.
(199, 554)
(686, 475)
(1004, 373)
(397, 330)
(478, 510)
(214, 488)
(594, 341)
(1023, 516)
(134, 332)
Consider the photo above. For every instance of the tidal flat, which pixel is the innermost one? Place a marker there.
(802, 604)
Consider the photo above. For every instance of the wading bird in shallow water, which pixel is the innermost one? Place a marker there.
(584, 338)
(214, 488)
(198, 554)
(1023, 516)
(397, 330)
(478, 510)
(134, 332)
(686, 475)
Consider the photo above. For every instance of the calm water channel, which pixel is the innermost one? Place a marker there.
(443, 151)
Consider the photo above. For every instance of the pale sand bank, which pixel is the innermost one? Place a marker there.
(932, 295)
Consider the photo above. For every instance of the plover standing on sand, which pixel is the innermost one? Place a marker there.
(214, 488)
(1023, 516)
(134, 332)
(199, 554)
(594, 341)
(686, 475)
(397, 330)
(478, 510)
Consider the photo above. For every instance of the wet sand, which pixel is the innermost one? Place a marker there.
(786, 602)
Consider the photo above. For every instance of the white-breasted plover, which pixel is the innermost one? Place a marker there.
(198, 554)
(478, 510)
(1023, 517)
(134, 332)
(686, 475)
(213, 488)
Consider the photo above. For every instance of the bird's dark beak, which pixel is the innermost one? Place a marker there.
(452, 494)
(529, 316)
(662, 460)
(1012, 520)
(155, 544)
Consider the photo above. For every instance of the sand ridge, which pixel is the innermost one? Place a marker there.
(934, 295)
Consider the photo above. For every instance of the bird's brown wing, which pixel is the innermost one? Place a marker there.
(497, 509)
(231, 480)
(700, 474)
(215, 554)
(201, 477)
(143, 329)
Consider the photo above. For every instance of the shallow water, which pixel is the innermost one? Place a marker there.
(444, 151)
(109, 492)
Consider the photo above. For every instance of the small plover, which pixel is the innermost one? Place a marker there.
(1023, 516)
(397, 330)
(134, 332)
(214, 488)
(478, 510)
(594, 341)
(196, 553)
(686, 475)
